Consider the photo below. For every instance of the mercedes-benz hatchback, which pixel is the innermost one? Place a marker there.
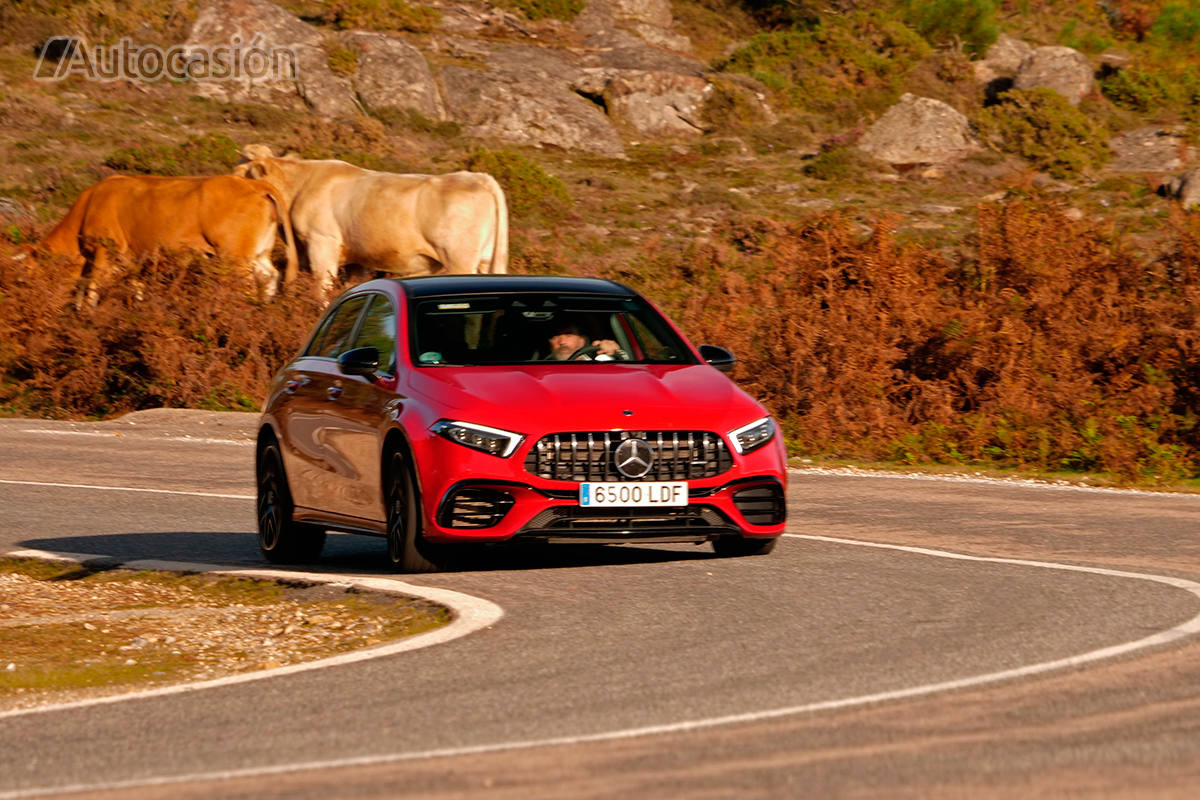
(447, 411)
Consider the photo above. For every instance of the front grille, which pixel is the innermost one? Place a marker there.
(588, 456)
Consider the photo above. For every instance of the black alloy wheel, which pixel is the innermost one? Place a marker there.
(281, 539)
(407, 549)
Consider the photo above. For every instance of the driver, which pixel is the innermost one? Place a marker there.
(568, 339)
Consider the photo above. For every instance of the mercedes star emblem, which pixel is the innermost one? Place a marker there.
(633, 458)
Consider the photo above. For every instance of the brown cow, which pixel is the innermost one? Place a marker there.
(401, 224)
(138, 215)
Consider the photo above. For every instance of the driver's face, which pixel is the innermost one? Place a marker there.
(562, 345)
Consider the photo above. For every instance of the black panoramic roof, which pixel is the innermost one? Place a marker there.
(434, 285)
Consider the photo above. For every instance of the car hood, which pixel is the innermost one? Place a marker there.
(589, 396)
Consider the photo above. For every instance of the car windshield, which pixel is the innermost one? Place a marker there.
(526, 328)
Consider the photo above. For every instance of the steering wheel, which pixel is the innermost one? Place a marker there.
(587, 351)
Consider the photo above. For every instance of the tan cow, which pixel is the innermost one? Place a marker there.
(137, 215)
(400, 224)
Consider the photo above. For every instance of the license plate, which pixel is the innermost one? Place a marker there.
(652, 493)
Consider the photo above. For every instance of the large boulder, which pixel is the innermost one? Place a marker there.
(1002, 59)
(517, 100)
(1062, 69)
(650, 20)
(393, 74)
(295, 62)
(997, 69)
(650, 103)
(1185, 187)
(920, 130)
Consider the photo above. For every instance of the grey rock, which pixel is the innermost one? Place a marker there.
(656, 103)
(1184, 187)
(493, 103)
(1061, 69)
(650, 20)
(1151, 149)
(920, 130)
(1002, 60)
(13, 208)
(394, 74)
(293, 45)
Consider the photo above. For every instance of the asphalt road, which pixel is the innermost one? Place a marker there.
(829, 668)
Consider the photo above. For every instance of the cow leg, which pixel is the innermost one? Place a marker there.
(265, 274)
(324, 258)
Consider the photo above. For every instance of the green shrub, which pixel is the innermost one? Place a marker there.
(1041, 126)
(843, 66)
(971, 22)
(784, 13)
(729, 107)
(565, 10)
(409, 119)
(1145, 90)
(375, 15)
(341, 59)
(212, 153)
(1177, 23)
(527, 187)
(836, 163)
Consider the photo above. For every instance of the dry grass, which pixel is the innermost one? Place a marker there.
(1047, 342)
(177, 331)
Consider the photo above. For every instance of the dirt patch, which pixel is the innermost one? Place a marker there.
(67, 633)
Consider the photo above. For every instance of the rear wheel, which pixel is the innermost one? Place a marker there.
(281, 539)
(407, 549)
(733, 546)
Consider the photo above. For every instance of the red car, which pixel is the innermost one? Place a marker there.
(444, 411)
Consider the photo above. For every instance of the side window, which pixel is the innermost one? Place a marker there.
(314, 344)
(378, 330)
(339, 330)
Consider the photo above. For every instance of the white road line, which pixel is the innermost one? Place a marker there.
(984, 480)
(470, 614)
(125, 435)
(1189, 628)
(128, 489)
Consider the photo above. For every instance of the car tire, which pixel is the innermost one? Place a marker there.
(281, 539)
(406, 546)
(734, 546)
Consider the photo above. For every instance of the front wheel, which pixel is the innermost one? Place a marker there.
(733, 546)
(407, 549)
(281, 539)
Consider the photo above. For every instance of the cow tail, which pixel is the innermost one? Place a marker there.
(500, 251)
(64, 239)
(285, 219)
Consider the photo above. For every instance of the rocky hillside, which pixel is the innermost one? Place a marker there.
(770, 106)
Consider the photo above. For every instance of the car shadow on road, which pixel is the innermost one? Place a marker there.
(354, 554)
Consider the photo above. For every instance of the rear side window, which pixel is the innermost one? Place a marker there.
(378, 330)
(335, 339)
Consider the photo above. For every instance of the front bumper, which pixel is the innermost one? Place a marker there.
(476, 497)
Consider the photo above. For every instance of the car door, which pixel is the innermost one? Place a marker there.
(309, 416)
(359, 404)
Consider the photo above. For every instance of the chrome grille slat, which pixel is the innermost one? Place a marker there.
(587, 455)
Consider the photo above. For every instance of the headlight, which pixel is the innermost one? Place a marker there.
(494, 441)
(753, 436)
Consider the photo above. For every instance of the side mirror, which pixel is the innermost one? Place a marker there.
(362, 361)
(718, 357)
